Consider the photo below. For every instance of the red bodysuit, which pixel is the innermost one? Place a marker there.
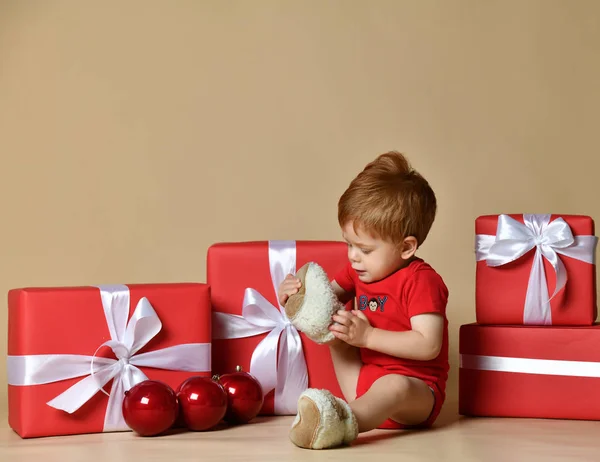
(389, 304)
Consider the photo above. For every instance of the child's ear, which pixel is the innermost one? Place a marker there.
(409, 247)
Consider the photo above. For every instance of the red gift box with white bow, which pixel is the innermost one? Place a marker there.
(250, 328)
(535, 270)
(73, 352)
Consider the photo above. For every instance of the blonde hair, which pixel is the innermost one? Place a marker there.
(389, 199)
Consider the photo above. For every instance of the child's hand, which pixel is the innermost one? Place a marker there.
(352, 327)
(289, 286)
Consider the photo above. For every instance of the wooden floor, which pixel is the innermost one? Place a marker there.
(453, 439)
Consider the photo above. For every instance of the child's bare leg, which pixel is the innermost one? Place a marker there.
(406, 400)
(347, 364)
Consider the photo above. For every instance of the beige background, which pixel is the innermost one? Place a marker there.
(135, 134)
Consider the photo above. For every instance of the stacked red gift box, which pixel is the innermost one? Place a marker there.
(73, 352)
(534, 348)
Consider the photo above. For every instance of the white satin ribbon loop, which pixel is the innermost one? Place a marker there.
(514, 239)
(286, 371)
(258, 311)
(143, 327)
(127, 338)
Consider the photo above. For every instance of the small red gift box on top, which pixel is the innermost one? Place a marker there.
(530, 371)
(535, 270)
(250, 328)
(125, 334)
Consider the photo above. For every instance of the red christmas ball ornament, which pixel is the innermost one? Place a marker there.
(244, 396)
(150, 408)
(202, 403)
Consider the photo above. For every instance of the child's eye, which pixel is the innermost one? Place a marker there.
(366, 251)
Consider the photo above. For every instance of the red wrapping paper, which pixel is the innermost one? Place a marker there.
(493, 393)
(72, 321)
(233, 267)
(500, 291)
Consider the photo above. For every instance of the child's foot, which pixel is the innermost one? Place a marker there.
(323, 421)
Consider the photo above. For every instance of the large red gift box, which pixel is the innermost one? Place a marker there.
(244, 277)
(529, 371)
(516, 281)
(57, 335)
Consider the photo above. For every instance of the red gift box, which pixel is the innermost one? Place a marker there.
(57, 335)
(548, 372)
(516, 281)
(250, 328)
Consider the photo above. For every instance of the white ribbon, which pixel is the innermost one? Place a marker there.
(530, 366)
(127, 338)
(286, 373)
(514, 239)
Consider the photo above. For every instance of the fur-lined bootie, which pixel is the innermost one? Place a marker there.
(311, 308)
(323, 421)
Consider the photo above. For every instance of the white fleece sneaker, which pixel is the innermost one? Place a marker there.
(311, 308)
(323, 421)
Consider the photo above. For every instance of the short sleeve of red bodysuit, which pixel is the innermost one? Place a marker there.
(425, 292)
(344, 278)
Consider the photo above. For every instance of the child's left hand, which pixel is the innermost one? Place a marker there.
(353, 327)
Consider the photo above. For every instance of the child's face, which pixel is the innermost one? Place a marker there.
(372, 258)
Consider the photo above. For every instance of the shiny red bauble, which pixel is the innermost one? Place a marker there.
(244, 395)
(202, 403)
(150, 408)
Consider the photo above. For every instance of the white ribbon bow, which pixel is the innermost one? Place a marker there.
(287, 372)
(514, 239)
(127, 338)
